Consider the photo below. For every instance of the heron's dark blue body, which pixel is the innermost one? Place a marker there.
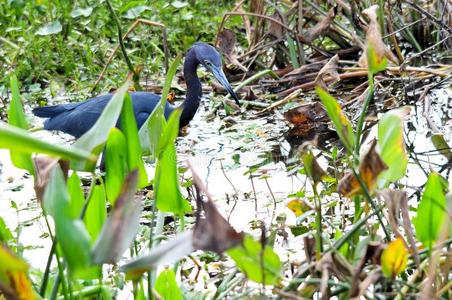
(77, 118)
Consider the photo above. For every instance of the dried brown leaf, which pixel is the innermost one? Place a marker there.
(226, 43)
(304, 114)
(44, 166)
(370, 167)
(213, 232)
(274, 29)
(330, 68)
(373, 38)
(320, 28)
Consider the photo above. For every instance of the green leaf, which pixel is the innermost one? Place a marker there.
(130, 130)
(71, 233)
(262, 267)
(115, 164)
(152, 129)
(76, 195)
(16, 139)
(77, 12)
(341, 123)
(94, 138)
(431, 212)
(96, 211)
(441, 145)
(5, 233)
(167, 287)
(170, 131)
(50, 28)
(168, 197)
(392, 145)
(16, 117)
(375, 62)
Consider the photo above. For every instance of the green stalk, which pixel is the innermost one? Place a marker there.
(318, 221)
(359, 128)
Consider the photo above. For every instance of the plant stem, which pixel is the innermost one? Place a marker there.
(318, 221)
(359, 127)
(123, 48)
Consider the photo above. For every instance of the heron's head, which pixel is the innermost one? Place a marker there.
(209, 57)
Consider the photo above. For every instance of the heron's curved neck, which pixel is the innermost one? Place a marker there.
(194, 89)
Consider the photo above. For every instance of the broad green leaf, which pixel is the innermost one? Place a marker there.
(16, 117)
(130, 130)
(50, 28)
(115, 164)
(376, 63)
(167, 192)
(120, 229)
(312, 167)
(94, 138)
(5, 233)
(151, 131)
(71, 233)
(76, 195)
(341, 123)
(96, 211)
(170, 131)
(394, 258)
(432, 211)
(257, 266)
(392, 145)
(16, 139)
(167, 287)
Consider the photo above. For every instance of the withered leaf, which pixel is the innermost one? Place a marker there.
(330, 68)
(44, 166)
(226, 43)
(320, 28)
(274, 29)
(121, 226)
(312, 112)
(212, 232)
(374, 40)
(370, 167)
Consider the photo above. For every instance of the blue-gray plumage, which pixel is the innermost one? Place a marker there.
(77, 118)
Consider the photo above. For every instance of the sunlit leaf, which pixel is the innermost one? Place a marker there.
(16, 117)
(340, 120)
(166, 285)
(257, 266)
(130, 130)
(152, 129)
(10, 263)
(5, 233)
(50, 28)
(392, 145)
(98, 134)
(298, 207)
(16, 139)
(432, 211)
(77, 12)
(71, 233)
(168, 196)
(136, 11)
(120, 229)
(394, 258)
(375, 62)
(441, 145)
(76, 195)
(115, 163)
(96, 211)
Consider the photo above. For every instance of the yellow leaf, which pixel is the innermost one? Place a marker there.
(298, 207)
(394, 258)
(22, 286)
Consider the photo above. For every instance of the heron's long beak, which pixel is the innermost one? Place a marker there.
(219, 75)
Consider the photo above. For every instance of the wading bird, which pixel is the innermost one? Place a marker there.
(77, 118)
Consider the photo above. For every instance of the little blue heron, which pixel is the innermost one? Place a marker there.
(77, 118)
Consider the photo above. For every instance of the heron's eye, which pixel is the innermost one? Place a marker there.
(208, 63)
